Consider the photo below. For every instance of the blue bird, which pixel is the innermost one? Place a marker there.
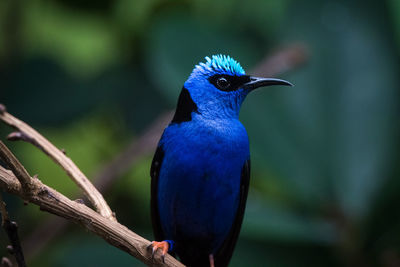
(201, 168)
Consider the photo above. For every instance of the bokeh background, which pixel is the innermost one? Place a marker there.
(93, 76)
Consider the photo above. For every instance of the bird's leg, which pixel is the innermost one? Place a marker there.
(211, 258)
(165, 246)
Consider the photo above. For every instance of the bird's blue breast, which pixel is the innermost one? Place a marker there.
(199, 182)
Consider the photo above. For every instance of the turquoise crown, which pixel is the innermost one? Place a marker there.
(221, 63)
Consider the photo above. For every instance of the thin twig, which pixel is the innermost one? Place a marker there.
(3, 211)
(18, 169)
(20, 136)
(11, 229)
(111, 231)
(25, 132)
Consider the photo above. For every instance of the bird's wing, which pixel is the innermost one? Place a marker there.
(224, 254)
(154, 173)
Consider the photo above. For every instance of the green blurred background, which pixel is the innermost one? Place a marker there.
(93, 75)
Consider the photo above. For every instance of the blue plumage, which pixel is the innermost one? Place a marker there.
(201, 169)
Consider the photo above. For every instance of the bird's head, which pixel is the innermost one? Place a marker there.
(218, 87)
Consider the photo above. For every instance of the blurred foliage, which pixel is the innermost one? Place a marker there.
(324, 192)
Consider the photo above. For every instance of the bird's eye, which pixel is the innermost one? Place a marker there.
(223, 83)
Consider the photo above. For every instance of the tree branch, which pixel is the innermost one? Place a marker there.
(54, 202)
(27, 133)
(111, 231)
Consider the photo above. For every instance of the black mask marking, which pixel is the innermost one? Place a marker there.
(228, 83)
(185, 107)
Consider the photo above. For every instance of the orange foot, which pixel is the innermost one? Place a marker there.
(163, 245)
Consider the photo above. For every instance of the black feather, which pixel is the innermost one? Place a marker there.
(184, 108)
(154, 173)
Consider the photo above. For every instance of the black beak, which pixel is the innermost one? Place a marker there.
(256, 82)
